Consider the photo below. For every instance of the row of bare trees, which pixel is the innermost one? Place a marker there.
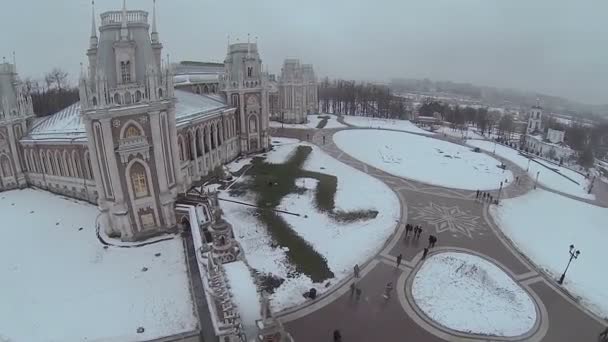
(51, 94)
(367, 99)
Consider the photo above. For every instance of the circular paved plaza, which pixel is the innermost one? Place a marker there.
(461, 224)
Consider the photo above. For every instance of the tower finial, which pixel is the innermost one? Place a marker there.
(14, 61)
(93, 26)
(248, 46)
(124, 32)
(154, 31)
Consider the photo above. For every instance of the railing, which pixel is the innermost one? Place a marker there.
(115, 17)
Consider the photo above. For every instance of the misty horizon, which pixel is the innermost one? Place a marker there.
(544, 47)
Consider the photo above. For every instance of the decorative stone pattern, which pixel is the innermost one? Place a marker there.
(448, 219)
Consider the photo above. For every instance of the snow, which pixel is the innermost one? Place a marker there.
(244, 295)
(546, 177)
(394, 124)
(343, 245)
(458, 133)
(313, 121)
(467, 293)
(60, 284)
(238, 164)
(282, 149)
(191, 106)
(531, 223)
(423, 159)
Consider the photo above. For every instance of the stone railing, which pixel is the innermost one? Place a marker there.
(115, 17)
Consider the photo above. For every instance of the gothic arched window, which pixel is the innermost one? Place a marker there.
(249, 71)
(125, 71)
(5, 165)
(139, 180)
(132, 131)
(253, 124)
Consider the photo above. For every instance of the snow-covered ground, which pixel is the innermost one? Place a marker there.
(458, 133)
(423, 158)
(467, 293)
(543, 224)
(60, 284)
(394, 124)
(343, 245)
(245, 295)
(546, 177)
(313, 121)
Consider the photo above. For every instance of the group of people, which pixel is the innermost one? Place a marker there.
(416, 230)
(484, 196)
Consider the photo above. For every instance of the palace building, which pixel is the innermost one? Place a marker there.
(140, 134)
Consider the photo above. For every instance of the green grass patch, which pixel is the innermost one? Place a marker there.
(322, 123)
(271, 183)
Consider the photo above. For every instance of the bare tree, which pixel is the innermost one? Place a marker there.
(57, 77)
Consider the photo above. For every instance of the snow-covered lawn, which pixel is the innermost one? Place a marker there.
(313, 121)
(543, 224)
(342, 244)
(60, 284)
(245, 295)
(546, 177)
(467, 293)
(423, 158)
(394, 124)
(458, 133)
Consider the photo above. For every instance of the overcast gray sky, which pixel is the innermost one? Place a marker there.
(558, 47)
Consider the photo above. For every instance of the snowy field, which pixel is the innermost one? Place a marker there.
(457, 133)
(245, 295)
(60, 284)
(343, 245)
(546, 177)
(531, 223)
(423, 159)
(313, 121)
(394, 124)
(467, 293)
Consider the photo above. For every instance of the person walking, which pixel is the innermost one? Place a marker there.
(323, 140)
(432, 241)
(337, 336)
(425, 251)
(477, 194)
(419, 232)
(399, 257)
(387, 290)
(353, 287)
(356, 269)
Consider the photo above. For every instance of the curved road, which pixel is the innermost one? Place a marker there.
(460, 223)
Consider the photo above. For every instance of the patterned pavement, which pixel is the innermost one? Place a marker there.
(460, 223)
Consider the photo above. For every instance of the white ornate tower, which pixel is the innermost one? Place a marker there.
(246, 88)
(129, 113)
(535, 120)
(15, 110)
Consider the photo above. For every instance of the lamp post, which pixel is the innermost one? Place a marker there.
(494, 152)
(536, 182)
(528, 168)
(573, 255)
(591, 186)
(499, 191)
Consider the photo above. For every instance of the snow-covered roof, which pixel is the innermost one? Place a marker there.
(196, 78)
(67, 125)
(64, 125)
(190, 106)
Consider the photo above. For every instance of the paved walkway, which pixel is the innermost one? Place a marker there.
(460, 223)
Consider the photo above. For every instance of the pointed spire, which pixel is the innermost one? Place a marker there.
(154, 31)
(93, 40)
(124, 32)
(248, 46)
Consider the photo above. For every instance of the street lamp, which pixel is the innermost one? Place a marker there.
(494, 152)
(499, 191)
(573, 255)
(536, 182)
(528, 168)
